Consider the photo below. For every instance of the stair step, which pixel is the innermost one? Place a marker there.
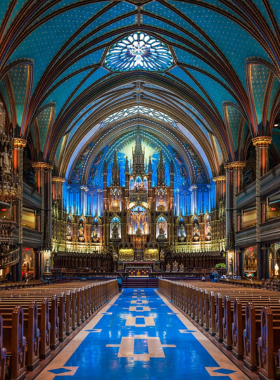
(140, 283)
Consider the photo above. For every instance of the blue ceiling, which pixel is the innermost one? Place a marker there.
(226, 55)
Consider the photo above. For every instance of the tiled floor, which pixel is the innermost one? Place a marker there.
(140, 335)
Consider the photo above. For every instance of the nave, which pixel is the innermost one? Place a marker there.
(139, 334)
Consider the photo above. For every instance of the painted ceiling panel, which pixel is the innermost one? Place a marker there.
(275, 5)
(244, 134)
(259, 77)
(114, 26)
(61, 94)
(217, 93)
(274, 91)
(44, 121)
(234, 118)
(99, 73)
(233, 40)
(174, 18)
(88, 60)
(111, 14)
(19, 79)
(58, 151)
(78, 122)
(190, 59)
(276, 140)
(180, 74)
(4, 94)
(42, 45)
(85, 11)
(206, 134)
(261, 7)
(32, 131)
(190, 8)
(15, 12)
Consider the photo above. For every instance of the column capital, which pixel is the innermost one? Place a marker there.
(42, 166)
(19, 143)
(237, 165)
(220, 178)
(58, 179)
(193, 187)
(262, 141)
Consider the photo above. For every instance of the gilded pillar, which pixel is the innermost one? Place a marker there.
(261, 143)
(237, 167)
(57, 187)
(19, 145)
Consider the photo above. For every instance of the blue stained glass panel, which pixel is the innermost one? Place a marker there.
(139, 51)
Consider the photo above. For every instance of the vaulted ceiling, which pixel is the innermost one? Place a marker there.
(221, 90)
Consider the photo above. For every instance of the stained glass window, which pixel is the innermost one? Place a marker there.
(139, 51)
(138, 110)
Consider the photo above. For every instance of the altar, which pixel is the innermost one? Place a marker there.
(139, 268)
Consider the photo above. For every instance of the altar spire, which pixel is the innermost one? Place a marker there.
(160, 171)
(138, 156)
(115, 171)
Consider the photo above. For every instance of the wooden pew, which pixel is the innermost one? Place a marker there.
(15, 342)
(268, 343)
(3, 352)
(31, 331)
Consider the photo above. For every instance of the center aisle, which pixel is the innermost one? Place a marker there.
(140, 335)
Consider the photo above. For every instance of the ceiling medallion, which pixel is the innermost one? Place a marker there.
(139, 51)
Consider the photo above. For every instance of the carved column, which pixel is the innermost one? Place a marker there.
(261, 143)
(48, 203)
(229, 219)
(237, 167)
(19, 145)
(57, 187)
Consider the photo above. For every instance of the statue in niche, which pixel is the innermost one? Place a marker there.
(145, 226)
(168, 268)
(68, 232)
(208, 230)
(175, 266)
(115, 230)
(76, 176)
(2, 118)
(182, 232)
(161, 229)
(92, 177)
(230, 266)
(200, 176)
(95, 237)
(276, 270)
(183, 176)
(181, 268)
(195, 231)
(81, 232)
(6, 160)
(130, 229)
(162, 256)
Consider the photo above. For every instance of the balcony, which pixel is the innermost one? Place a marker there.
(269, 185)
(31, 197)
(270, 230)
(246, 237)
(9, 259)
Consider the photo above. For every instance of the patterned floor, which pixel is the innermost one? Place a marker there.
(140, 335)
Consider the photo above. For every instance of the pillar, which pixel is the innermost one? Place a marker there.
(19, 145)
(261, 144)
(57, 187)
(237, 167)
